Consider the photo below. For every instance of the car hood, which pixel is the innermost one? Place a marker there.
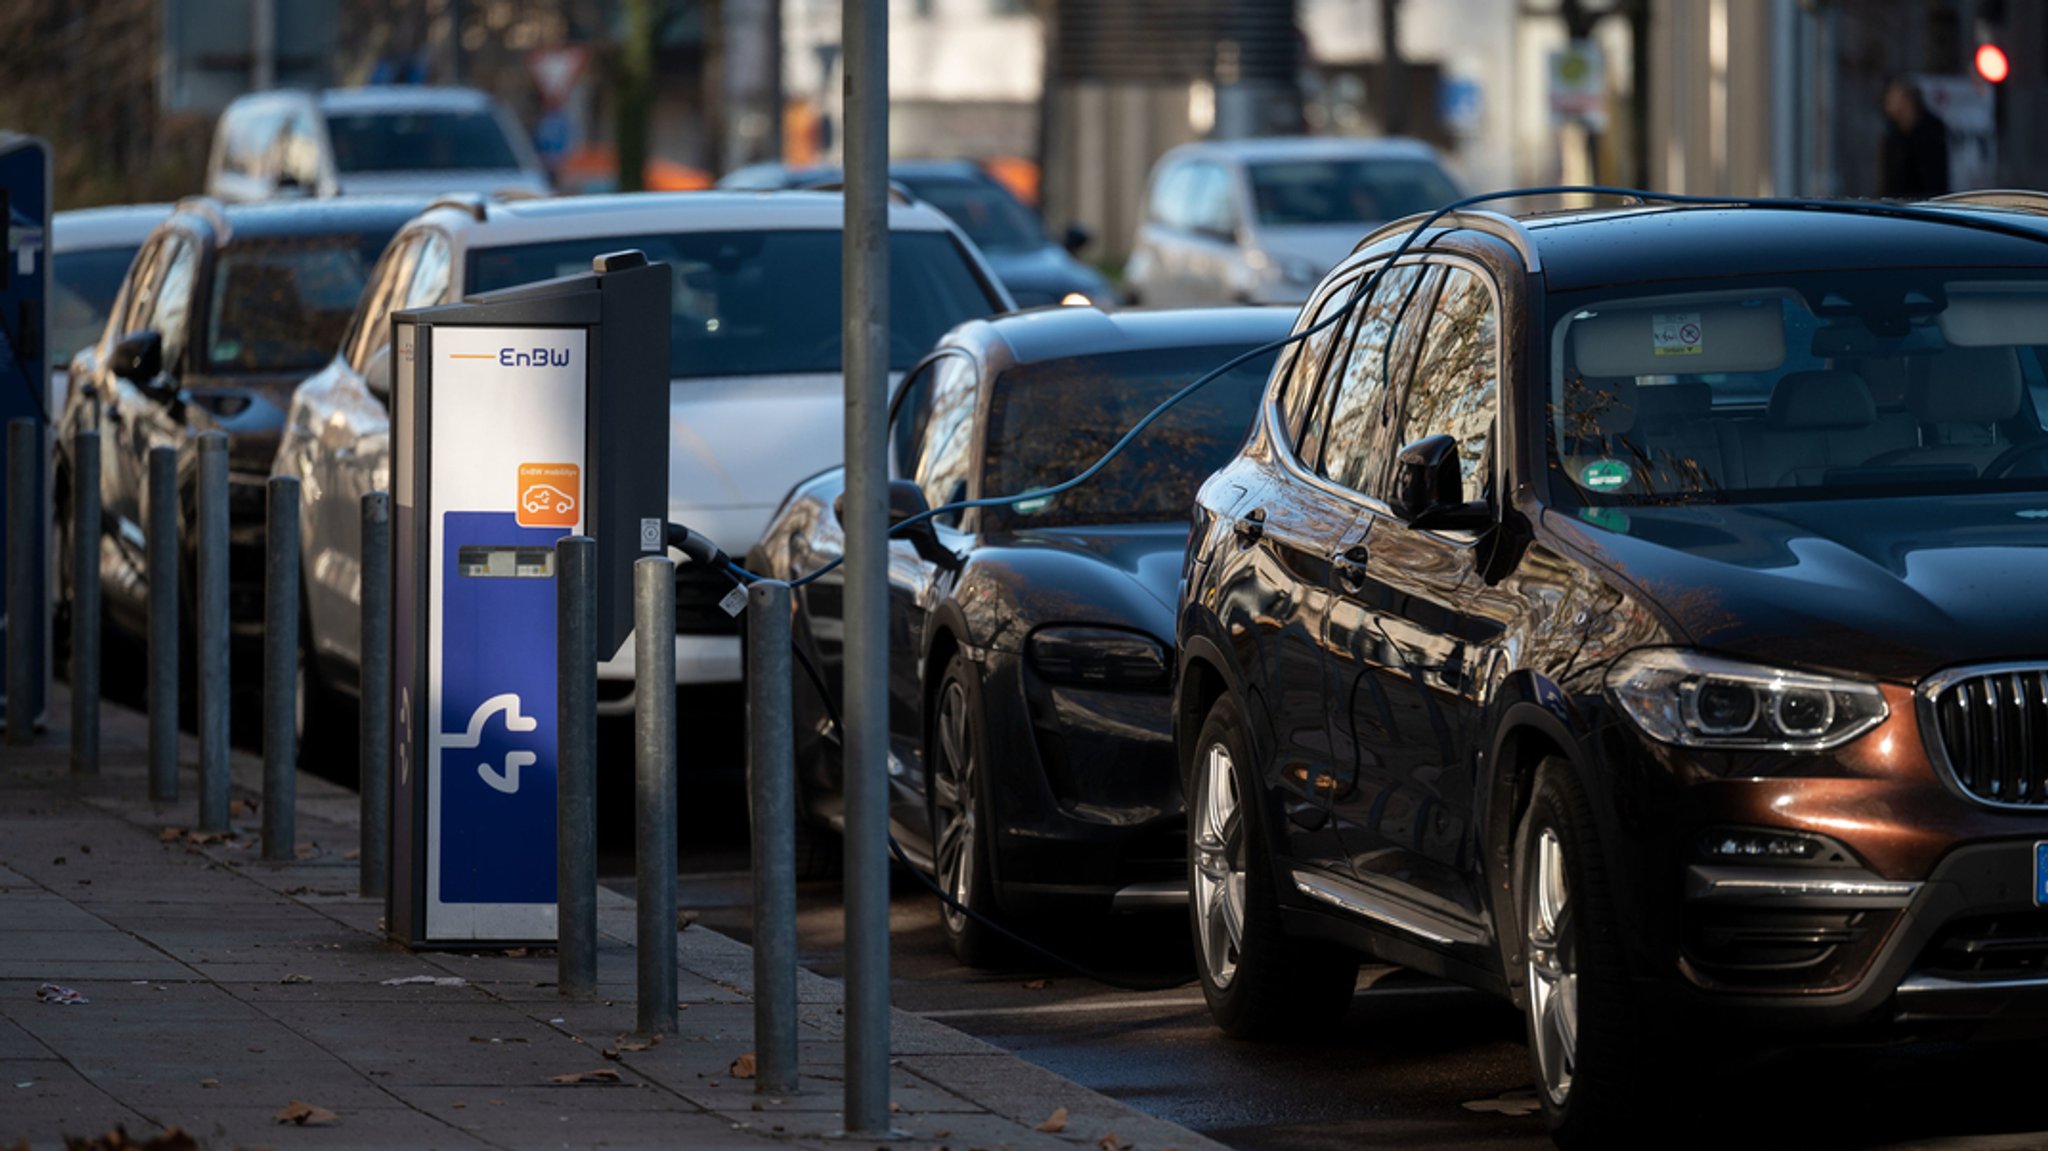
(486, 181)
(1060, 572)
(1893, 588)
(1045, 274)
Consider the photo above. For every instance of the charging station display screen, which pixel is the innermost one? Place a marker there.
(481, 562)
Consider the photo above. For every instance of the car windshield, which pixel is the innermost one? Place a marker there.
(990, 216)
(282, 305)
(766, 303)
(82, 290)
(418, 141)
(1816, 386)
(1297, 192)
(1049, 420)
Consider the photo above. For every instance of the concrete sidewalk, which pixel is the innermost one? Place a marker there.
(223, 990)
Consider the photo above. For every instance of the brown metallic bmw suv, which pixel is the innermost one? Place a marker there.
(1638, 613)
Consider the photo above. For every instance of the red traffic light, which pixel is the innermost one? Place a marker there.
(1992, 64)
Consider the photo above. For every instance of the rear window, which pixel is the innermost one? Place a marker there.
(282, 305)
(990, 216)
(1049, 420)
(1298, 192)
(766, 303)
(418, 141)
(82, 290)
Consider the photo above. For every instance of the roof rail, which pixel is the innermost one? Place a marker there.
(2012, 199)
(471, 204)
(897, 192)
(1494, 224)
(209, 207)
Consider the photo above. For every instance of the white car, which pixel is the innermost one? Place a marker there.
(403, 140)
(1260, 221)
(757, 395)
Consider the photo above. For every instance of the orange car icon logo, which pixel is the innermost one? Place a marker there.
(547, 495)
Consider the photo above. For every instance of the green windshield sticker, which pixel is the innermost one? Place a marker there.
(1604, 475)
(1613, 519)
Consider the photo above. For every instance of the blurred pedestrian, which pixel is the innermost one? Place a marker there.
(1915, 155)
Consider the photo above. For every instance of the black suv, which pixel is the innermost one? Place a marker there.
(1637, 613)
(224, 311)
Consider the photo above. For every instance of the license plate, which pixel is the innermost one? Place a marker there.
(2041, 875)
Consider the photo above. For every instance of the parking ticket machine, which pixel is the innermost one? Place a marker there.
(518, 417)
(25, 384)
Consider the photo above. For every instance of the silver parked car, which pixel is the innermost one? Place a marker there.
(1260, 221)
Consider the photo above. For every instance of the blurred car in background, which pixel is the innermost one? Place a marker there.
(1031, 755)
(757, 395)
(408, 140)
(1260, 221)
(224, 310)
(1012, 237)
(90, 251)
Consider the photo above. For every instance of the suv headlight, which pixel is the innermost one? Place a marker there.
(1099, 657)
(1696, 700)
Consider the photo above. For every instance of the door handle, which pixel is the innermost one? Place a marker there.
(1250, 527)
(1349, 568)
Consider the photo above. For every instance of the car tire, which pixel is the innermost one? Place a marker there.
(1259, 982)
(958, 800)
(1586, 1044)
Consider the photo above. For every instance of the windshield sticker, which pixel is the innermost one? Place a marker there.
(1604, 475)
(1675, 333)
(1613, 519)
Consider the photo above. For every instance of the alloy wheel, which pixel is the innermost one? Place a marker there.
(1550, 940)
(1219, 871)
(954, 784)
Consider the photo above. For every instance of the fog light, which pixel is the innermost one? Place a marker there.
(1753, 846)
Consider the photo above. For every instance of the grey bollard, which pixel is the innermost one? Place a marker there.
(280, 668)
(373, 735)
(24, 611)
(85, 602)
(771, 794)
(211, 628)
(654, 719)
(163, 624)
(576, 766)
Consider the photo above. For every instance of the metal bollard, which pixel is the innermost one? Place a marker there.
(576, 766)
(213, 628)
(654, 719)
(771, 792)
(373, 736)
(163, 624)
(24, 610)
(85, 602)
(280, 667)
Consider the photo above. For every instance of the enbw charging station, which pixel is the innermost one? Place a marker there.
(25, 388)
(518, 417)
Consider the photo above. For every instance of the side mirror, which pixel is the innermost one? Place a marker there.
(906, 500)
(1075, 238)
(377, 373)
(287, 186)
(137, 357)
(1429, 487)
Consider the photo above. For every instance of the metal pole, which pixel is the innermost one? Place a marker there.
(771, 792)
(85, 602)
(211, 625)
(576, 766)
(281, 668)
(865, 287)
(163, 624)
(373, 663)
(654, 717)
(24, 444)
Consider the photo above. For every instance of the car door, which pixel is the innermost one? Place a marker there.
(123, 458)
(1405, 645)
(153, 418)
(1212, 274)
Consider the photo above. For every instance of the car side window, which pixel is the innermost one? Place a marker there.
(298, 152)
(1455, 387)
(1169, 197)
(174, 300)
(946, 455)
(250, 134)
(1214, 208)
(1361, 436)
(430, 273)
(1298, 388)
(911, 416)
(372, 324)
(132, 313)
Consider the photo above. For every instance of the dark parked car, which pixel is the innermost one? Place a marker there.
(1012, 238)
(1030, 655)
(224, 311)
(1637, 613)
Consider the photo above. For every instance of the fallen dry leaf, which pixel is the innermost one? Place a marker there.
(895, 1108)
(306, 1115)
(1055, 1122)
(352, 853)
(684, 919)
(743, 1067)
(516, 953)
(209, 1082)
(170, 834)
(240, 807)
(601, 1075)
(1037, 984)
(1110, 1142)
(169, 1139)
(306, 850)
(296, 979)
